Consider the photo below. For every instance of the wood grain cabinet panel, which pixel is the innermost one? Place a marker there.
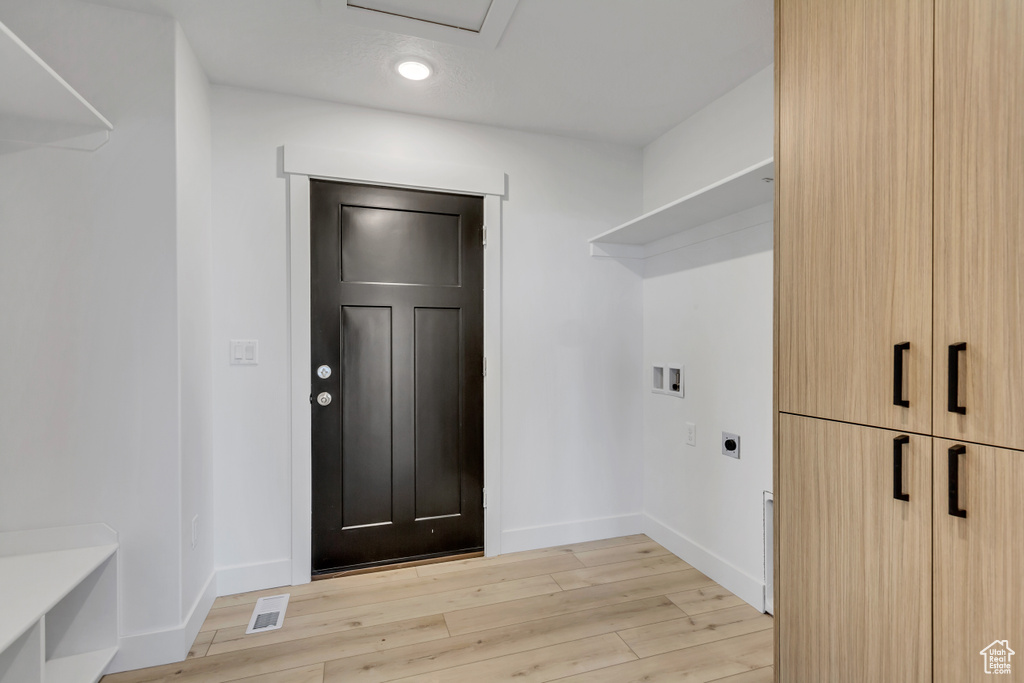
(854, 167)
(979, 594)
(855, 561)
(979, 218)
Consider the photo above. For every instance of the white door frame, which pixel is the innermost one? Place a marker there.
(299, 165)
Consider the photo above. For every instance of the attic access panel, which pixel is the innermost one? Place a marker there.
(467, 15)
(469, 23)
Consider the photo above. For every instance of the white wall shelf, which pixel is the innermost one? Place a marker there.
(38, 107)
(738, 192)
(58, 604)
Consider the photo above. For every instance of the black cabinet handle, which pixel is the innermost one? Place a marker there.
(897, 467)
(954, 481)
(954, 378)
(897, 374)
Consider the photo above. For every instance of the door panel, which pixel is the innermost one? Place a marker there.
(979, 218)
(365, 415)
(979, 561)
(438, 401)
(397, 313)
(399, 247)
(854, 172)
(854, 562)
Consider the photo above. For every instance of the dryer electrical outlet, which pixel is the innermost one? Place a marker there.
(731, 445)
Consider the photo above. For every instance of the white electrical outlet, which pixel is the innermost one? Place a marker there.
(691, 434)
(195, 532)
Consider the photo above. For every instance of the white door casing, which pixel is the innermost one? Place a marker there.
(300, 163)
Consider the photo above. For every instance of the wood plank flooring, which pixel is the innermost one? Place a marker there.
(617, 610)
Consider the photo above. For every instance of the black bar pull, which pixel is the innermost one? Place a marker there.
(954, 378)
(897, 374)
(897, 467)
(954, 481)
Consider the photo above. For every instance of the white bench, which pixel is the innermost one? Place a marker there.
(58, 604)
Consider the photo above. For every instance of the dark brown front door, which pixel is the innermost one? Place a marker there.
(397, 317)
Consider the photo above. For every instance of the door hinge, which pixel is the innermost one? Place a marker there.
(485, 366)
(484, 231)
(485, 499)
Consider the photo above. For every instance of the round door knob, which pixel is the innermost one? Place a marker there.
(323, 372)
(323, 398)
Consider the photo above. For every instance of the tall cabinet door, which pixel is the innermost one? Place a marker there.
(979, 221)
(979, 562)
(854, 506)
(854, 165)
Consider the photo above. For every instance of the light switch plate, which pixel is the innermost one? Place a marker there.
(691, 434)
(245, 352)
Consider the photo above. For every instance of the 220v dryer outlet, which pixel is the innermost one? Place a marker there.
(731, 445)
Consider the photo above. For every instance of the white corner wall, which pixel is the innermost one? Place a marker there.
(572, 325)
(88, 407)
(732, 133)
(193, 145)
(106, 397)
(89, 395)
(709, 306)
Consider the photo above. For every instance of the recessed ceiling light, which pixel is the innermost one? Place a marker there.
(414, 71)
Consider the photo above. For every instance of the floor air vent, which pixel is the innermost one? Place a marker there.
(269, 614)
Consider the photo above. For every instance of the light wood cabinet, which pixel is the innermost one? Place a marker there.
(854, 194)
(855, 561)
(979, 594)
(899, 218)
(979, 220)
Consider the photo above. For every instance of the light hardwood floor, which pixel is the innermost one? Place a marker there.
(618, 610)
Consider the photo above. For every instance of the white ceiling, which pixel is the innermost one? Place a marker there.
(615, 70)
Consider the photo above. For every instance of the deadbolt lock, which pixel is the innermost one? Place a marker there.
(323, 372)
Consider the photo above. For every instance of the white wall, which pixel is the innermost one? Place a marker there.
(709, 306)
(732, 133)
(88, 354)
(572, 325)
(106, 391)
(195, 319)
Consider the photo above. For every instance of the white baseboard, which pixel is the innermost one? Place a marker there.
(726, 575)
(531, 538)
(170, 645)
(253, 577)
(200, 610)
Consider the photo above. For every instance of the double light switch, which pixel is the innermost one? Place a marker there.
(245, 351)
